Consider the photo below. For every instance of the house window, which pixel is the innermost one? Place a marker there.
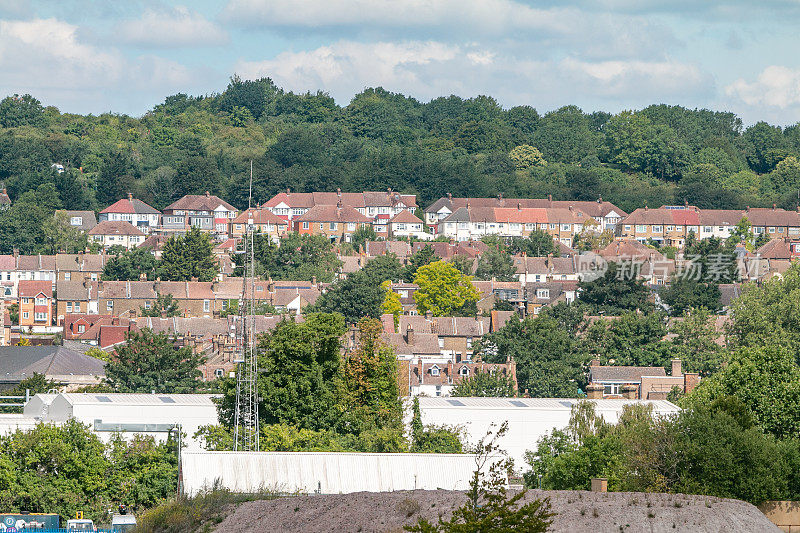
(322, 226)
(332, 226)
(566, 227)
(81, 328)
(469, 343)
(7, 291)
(76, 221)
(206, 306)
(94, 277)
(219, 373)
(25, 315)
(41, 301)
(76, 306)
(26, 300)
(40, 317)
(69, 307)
(110, 305)
(67, 276)
(670, 228)
(627, 228)
(780, 230)
(641, 228)
(464, 371)
(147, 304)
(772, 230)
(434, 370)
(707, 229)
(543, 293)
(611, 389)
(658, 229)
(351, 226)
(553, 226)
(441, 343)
(305, 225)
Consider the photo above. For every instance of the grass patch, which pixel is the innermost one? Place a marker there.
(198, 513)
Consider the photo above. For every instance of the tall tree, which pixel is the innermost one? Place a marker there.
(150, 362)
(617, 290)
(188, 257)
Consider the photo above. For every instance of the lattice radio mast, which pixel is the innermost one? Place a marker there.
(245, 433)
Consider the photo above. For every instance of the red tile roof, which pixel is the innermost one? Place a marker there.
(29, 288)
(405, 217)
(130, 206)
(260, 216)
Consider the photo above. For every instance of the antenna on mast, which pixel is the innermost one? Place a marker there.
(246, 426)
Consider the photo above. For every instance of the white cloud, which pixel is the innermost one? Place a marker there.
(47, 52)
(344, 68)
(776, 86)
(46, 58)
(486, 16)
(171, 28)
(428, 69)
(626, 78)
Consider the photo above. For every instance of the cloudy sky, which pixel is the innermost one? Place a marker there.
(126, 56)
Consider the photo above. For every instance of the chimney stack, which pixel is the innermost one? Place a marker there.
(208, 194)
(410, 335)
(690, 381)
(676, 368)
(130, 196)
(594, 362)
(630, 391)
(594, 391)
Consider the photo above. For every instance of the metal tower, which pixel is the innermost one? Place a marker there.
(245, 433)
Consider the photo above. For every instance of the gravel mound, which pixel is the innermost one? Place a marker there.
(578, 511)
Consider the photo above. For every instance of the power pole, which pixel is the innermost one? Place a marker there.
(246, 428)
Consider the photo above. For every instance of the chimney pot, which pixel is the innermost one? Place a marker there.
(130, 196)
(549, 197)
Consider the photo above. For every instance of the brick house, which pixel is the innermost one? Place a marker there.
(336, 222)
(35, 304)
(644, 383)
(206, 212)
(76, 297)
(265, 222)
(80, 267)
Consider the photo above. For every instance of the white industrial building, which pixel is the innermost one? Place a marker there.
(528, 419)
(127, 414)
(325, 473)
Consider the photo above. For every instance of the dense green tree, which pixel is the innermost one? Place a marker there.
(61, 236)
(58, 469)
(494, 264)
(423, 256)
(151, 362)
(444, 290)
(631, 339)
(129, 265)
(485, 384)
(22, 110)
(188, 257)
(538, 243)
(617, 290)
(115, 178)
(547, 363)
(683, 294)
(696, 342)
(298, 257)
(361, 294)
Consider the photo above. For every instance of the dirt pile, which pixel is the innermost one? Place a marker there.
(578, 511)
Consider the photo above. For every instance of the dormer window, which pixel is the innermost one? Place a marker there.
(464, 371)
(434, 370)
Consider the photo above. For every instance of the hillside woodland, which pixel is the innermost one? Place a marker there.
(465, 147)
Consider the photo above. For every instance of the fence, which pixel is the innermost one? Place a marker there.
(5, 401)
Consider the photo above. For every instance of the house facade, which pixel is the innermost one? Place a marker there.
(134, 211)
(35, 304)
(671, 225)
(264, 221)
(116, 233)
(406, 225)
(606, 214)
(206, 212)
(336, 222)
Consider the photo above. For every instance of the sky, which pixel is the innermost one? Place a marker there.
(90, 56)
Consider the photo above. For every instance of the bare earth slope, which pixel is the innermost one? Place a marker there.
(578, 511)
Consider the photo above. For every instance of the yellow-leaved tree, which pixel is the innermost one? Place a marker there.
(445, 291)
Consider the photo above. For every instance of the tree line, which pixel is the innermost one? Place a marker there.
(464, 146)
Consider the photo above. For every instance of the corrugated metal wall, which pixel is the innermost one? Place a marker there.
(329, 473)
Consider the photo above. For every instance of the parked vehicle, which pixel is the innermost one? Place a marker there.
(14, 522)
